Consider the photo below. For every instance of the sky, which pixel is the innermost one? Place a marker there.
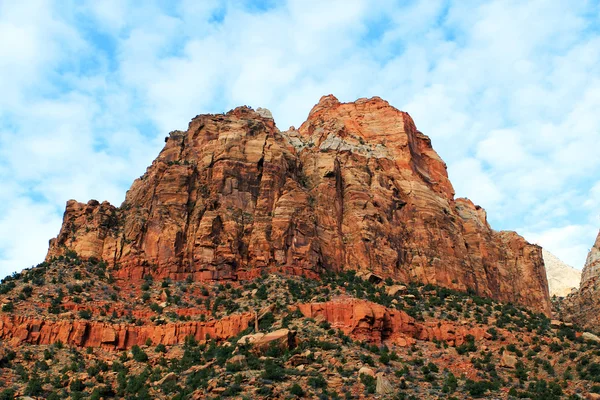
(508, 91)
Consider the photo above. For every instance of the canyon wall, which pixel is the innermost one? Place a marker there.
(583, 306)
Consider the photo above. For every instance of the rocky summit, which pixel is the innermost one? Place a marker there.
(356, 187)
(329, 261)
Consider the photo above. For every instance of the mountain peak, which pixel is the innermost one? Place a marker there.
(233, 197)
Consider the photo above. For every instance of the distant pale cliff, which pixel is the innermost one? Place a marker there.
(562, 278)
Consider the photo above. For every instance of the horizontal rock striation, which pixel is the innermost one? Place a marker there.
(362, 320)
(22, 329)
(357, 186)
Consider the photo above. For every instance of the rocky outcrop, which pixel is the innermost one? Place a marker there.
(583, 306)
(21, 329)
(281, 338)
(591, 270)
(372, 322)
(562, 278)
(357, 186)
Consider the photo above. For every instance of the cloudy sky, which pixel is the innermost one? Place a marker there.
(509, 92)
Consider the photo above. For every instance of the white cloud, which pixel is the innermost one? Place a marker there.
(502, 149)
(471, 178)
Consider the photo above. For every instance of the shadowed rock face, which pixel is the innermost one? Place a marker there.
(583, 306)
(357, 186)
(591, 270)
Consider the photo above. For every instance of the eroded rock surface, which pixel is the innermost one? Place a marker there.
(372, 322)
(583, 306)
(22, 329)
(357, 186)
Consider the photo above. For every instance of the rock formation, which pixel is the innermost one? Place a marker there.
(562, 278)
(22, 329)
(591, 270)
(367, 321)
(357, 186)
(583, 306)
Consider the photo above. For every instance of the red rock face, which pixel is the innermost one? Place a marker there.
(22, 329)
(357, 186)
(367, 321)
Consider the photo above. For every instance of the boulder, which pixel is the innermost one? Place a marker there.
(282, 338)
(251, 338)
(366, 371)
(383, 385)
(395, 289)
(590, 336)
(508, 360)
(171, 376)
(238, 358)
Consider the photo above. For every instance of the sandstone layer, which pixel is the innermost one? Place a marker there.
(362, 320)
(357, 186)
(22, 329)
(562, 278)
(367, 321)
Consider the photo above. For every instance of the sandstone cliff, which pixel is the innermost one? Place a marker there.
(562, 278)
(374, 323)
(583, 306)
(19, 329)
(357, 186)
(591, 270)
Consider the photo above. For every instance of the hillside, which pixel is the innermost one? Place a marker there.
(68, 328)
(329, 261)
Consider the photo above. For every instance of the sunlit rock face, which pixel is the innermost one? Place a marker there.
(562, 278)
(356, 186)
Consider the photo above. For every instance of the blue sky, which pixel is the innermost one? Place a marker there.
(509, 92)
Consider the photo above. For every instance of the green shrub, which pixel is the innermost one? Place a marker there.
(450, 383)
(34, 386)
(296, 390)
(273, 371)
(467, 347)
(478, 388)
(139, 355)
(266, 321)
(317, 382)
(369, 382)
(8, 394)
(261, 293)
(385, 358)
